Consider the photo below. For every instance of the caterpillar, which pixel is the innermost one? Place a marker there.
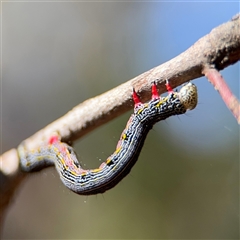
(120, 163)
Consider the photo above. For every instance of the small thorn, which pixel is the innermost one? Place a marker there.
(169, 89)
(155, 94)
(136, 99)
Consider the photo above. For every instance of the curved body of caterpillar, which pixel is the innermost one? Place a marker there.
(119, 164)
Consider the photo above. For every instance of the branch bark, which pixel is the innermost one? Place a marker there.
(217, 50)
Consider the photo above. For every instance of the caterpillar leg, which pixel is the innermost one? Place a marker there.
(169, 88)
(155, 94)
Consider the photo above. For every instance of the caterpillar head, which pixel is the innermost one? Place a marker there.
(188, 96)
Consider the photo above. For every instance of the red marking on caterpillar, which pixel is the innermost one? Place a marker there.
(136, 99)
(53, 139)
(169, 88)
(155, 94)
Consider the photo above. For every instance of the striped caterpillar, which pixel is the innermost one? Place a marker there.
(119, 164)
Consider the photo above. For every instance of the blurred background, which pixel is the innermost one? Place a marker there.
(55, 55)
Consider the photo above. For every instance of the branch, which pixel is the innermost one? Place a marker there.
(219, 49)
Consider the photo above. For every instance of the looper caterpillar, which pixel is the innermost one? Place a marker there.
(119, 164)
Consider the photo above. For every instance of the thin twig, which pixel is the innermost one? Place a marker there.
(221, 86)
